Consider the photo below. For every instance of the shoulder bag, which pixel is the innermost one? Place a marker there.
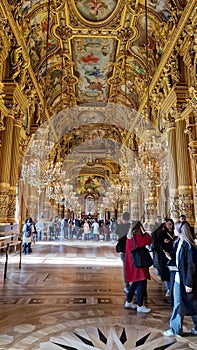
(118, 247)
(141, 256)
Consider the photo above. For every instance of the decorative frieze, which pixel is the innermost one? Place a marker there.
(4, 206)
(174, 205)
(11, 207)
(186, 205)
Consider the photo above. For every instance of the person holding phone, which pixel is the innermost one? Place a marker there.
(184, 280)
(137, 275)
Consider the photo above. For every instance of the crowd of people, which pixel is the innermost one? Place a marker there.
(175, 261)
(174, 258)
(57, 229)
(81, 229)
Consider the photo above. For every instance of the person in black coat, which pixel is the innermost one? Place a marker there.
(122, 231)
(184, 281)
(165, 245)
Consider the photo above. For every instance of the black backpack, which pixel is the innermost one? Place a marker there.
(28, 230)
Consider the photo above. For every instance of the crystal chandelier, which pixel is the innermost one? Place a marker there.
(33, 168)
(149, 169)
(57, 183)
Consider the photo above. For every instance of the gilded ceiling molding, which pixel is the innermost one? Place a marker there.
(18, 36)
(172, 43)
(189, 51)
(167, 85)
(82, 17)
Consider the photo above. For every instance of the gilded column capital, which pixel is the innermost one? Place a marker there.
(192, 99)
(18, 115)
(175, 111)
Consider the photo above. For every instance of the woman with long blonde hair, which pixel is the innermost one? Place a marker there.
(184, 280)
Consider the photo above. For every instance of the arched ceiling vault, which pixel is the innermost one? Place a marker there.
(82, 52)
(85, 51)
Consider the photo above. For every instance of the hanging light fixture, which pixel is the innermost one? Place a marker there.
(33, 168)
(149, 170)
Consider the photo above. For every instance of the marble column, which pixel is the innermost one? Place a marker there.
(173, 176)
(193, 154)
(191, 130)
(186, 204)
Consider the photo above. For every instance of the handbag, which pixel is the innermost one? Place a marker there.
(118, 247)
(141, 256)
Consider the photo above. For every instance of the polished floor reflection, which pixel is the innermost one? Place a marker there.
(70, 296)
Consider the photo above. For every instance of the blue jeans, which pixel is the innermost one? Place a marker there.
(122, 257)
(176, 320)
(167, 285)
(77, 231)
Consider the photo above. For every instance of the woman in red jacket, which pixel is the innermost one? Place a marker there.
(137, 275)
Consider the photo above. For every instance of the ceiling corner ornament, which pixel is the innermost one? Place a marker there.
(96, 10)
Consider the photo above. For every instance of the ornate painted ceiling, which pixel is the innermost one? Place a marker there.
(83, 51)
(88, 61)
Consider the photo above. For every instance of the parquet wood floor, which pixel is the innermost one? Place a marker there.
(70, 296)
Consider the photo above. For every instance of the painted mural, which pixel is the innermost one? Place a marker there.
(36, 39)
(156, 43)
(91, 184)
(93, 59)
(160, 6)
(95, 10)
(135, 83)
(28, 5)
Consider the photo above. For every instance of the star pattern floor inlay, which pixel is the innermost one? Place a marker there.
(76, 306)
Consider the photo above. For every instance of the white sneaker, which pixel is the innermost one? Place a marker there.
(143, 309)
(169, 333)
(194, 331)
(130, 305)
(168, 293)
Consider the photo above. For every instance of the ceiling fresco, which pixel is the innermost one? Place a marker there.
(78, 59)
(95, 10)
(89, 58)
(93, 60)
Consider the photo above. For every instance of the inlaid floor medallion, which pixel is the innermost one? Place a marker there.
(56, 303)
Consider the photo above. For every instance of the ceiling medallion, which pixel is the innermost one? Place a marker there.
(96, 10)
